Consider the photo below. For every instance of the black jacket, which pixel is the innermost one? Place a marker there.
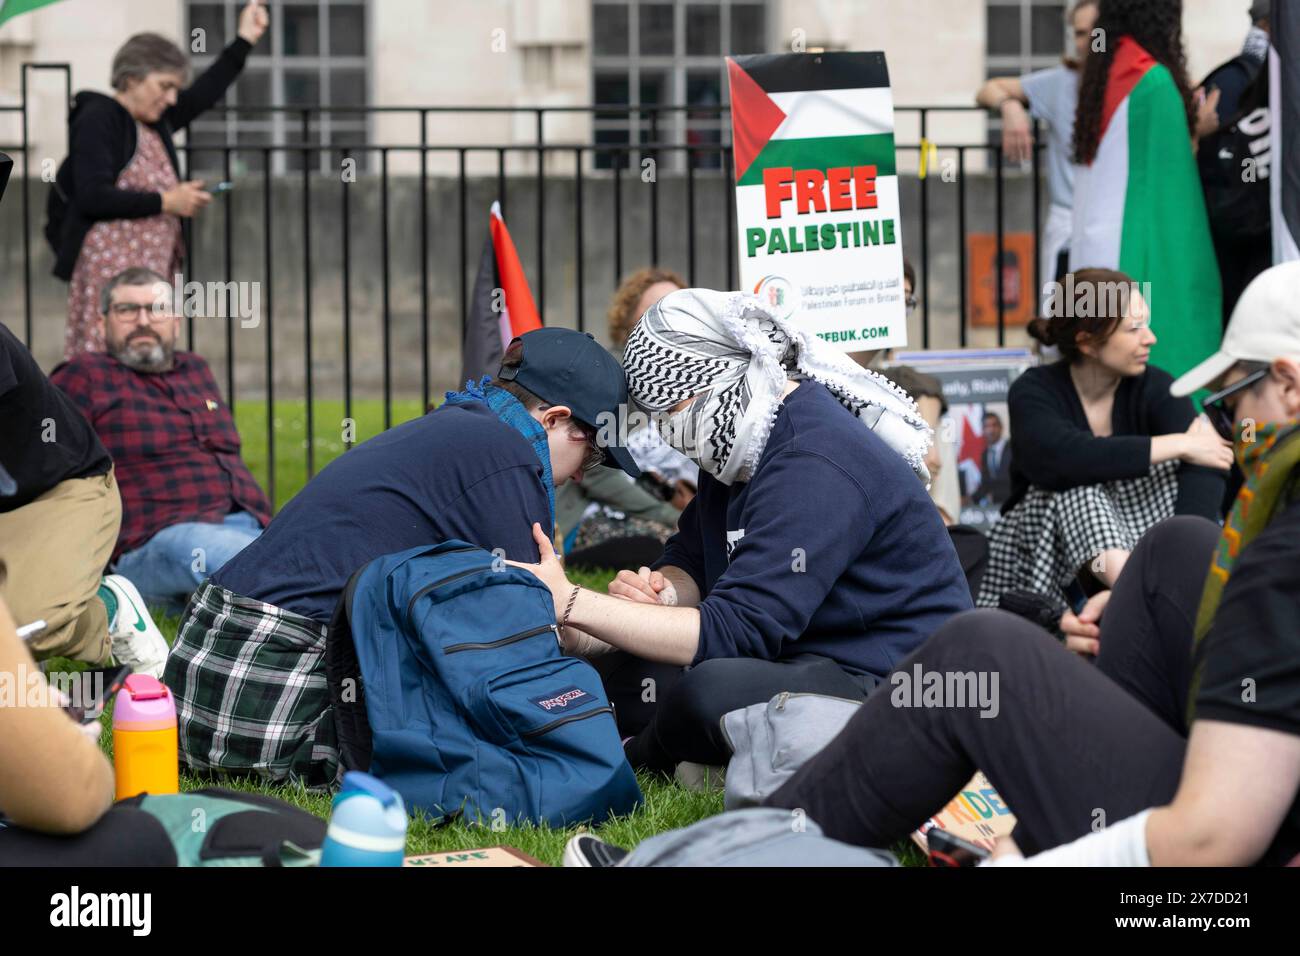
(101, 142)
(1053, 447)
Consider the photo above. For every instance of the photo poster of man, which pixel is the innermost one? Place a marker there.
(975, 434)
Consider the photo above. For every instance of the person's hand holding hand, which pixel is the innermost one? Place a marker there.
(1083, 630)
(185, 199)
(549, 570)
(1017, 141)
(253, 21)
(643, 587)
(1202, 445)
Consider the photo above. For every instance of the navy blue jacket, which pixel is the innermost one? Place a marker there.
(833, 547)
(457, 472)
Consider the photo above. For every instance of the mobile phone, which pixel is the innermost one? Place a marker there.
(1076, 596)
(28, 631)
(947, 850)
(222, 187)
(104, 683)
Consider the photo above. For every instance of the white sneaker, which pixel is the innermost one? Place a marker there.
(137, 642)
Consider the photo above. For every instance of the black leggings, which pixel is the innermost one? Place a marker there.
(678, 715)
(1072, 745)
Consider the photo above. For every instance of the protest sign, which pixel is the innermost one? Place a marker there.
(817, 191)
(976, 814)
(488, 856)
(978, 424)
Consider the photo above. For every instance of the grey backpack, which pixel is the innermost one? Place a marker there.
(769, 742)
(759, 836)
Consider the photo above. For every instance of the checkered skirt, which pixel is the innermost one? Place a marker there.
(1041, 544)
(250, 689)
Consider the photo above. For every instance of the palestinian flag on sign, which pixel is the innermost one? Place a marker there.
(1139, 208)
(810, 111)
(1284, 98)
(11, 8)
(502, 306)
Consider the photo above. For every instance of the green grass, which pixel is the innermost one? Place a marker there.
(667, 804)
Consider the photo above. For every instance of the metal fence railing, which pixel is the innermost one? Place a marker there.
(590, 203)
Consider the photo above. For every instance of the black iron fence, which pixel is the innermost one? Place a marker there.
(573, 190)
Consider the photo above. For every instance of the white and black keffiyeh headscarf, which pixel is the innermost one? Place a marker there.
(726, 350)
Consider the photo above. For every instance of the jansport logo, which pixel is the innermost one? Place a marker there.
(561, 700)
(103, 909)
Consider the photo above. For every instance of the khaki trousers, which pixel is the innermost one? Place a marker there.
(56, 549)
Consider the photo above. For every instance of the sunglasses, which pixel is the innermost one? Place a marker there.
(1220, 413)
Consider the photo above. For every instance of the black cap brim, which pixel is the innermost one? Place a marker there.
(616, 457)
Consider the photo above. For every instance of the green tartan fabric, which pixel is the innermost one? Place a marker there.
(250, 689)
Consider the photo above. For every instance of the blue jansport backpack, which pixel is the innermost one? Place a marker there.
(465, 704)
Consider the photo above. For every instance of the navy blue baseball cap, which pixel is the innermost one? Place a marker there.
(564, 367)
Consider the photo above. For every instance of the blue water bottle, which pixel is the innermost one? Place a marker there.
(367, 824)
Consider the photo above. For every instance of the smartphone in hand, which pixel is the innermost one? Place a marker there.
(947, 850)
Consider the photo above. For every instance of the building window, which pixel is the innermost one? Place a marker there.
(1024, 35)
(668, 53)
(315, 53)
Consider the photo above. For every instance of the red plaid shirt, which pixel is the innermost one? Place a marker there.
(173, 442)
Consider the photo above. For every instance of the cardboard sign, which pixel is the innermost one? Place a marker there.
(817, 192)
(977, 814)
(489, 856)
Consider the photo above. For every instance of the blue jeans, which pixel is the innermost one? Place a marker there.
(170, 565)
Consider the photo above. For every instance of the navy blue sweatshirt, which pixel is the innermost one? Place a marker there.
(457, 472)
(833, 547)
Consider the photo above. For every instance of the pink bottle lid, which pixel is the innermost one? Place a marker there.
(144, 703)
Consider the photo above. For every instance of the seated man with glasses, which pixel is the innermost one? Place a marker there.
(248, 666)
(189, 503)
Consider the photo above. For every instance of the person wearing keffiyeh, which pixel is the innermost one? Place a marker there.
(811, 559)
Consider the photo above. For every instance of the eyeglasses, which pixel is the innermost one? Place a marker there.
(596, 456)
(1220, 413)
(127, 312)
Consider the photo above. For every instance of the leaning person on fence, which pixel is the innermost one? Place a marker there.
(1100, 450)
(189, 503)
(117, 200)
(811, 559)
(248, 666)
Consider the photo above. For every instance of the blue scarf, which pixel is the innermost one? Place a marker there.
(511, 411)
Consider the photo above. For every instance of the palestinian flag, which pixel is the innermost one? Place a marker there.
(11, 8)
(817, 189)
(502, 306)
(1284, 100)
(810, 111)
(1139, 208)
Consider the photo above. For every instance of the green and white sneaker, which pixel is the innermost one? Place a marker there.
(137, 642)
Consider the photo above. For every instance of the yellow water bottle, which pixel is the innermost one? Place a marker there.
(144, 738)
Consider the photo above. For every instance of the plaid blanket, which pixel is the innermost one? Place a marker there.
(250, 689)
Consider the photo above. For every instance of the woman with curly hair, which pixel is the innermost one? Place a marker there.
(1138, 205)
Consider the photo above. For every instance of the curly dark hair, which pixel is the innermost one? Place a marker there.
(1156, 25)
